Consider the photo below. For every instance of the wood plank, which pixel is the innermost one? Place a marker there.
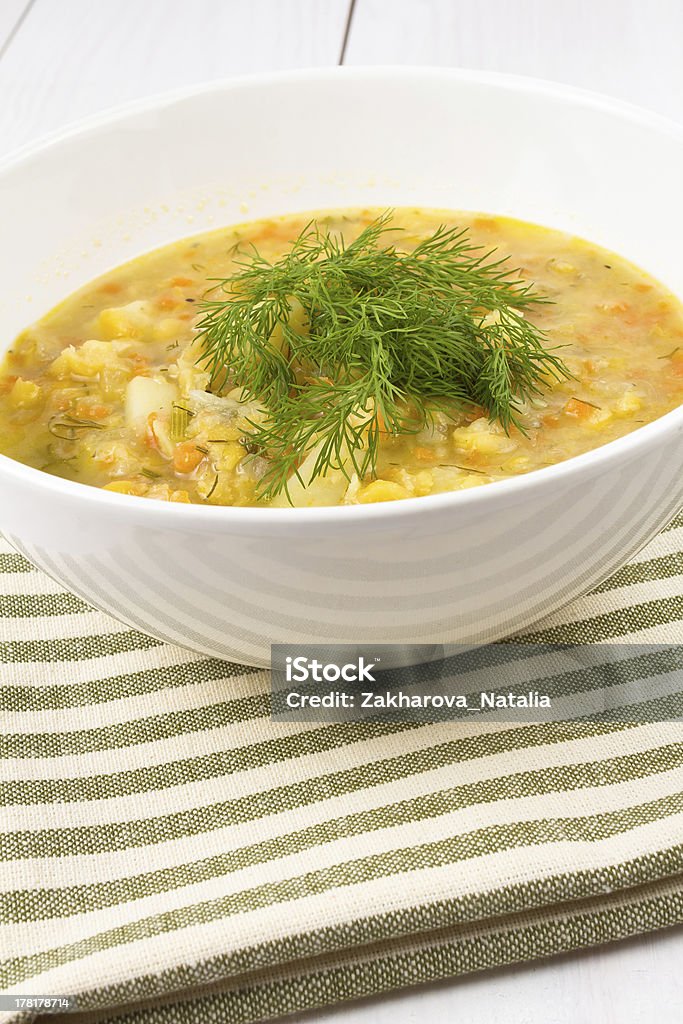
(74, 57)
(11, 12)
(627, 48)
(636, 981)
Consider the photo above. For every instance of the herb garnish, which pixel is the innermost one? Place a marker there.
(584, 401)
(468, 469)
(65, 426)
(342, 342)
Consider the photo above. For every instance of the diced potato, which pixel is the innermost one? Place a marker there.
(382, 490)
(628, 403)
(469, 480)
(228, 456)
(481, 436)
(423, 482)
(305, 492)
(205, 425)
(116, 456)
(89, 359)
(132, 321)
(324, 490)
(191, 375)
(599, 418)
(401, 476)
(144, 395)
(451, 478)
(25, 394)
(517, 464)
(445, 478)
(139, 321)
(113, 381)
(219, 478)
(351, 496)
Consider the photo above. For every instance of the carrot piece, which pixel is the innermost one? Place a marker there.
(273, 230)
(181, 282)
(90, 410)
(582, 410)
(186, 457)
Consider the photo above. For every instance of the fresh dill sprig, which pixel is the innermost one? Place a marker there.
(344, 342)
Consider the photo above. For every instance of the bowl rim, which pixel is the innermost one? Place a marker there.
(184, 515)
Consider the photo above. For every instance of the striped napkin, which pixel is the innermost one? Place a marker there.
(171, 854)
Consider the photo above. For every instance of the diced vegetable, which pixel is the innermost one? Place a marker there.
(25, 394)
(382, 490)
(132, 321)
(144, 395)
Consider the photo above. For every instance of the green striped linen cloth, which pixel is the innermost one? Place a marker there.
(169, 854)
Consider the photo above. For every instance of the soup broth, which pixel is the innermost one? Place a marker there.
(109, 388)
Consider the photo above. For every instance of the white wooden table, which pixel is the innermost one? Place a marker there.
(62, 59)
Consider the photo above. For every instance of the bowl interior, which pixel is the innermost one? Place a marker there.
(253, 147)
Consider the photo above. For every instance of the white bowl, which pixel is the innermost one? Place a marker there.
(464, 567)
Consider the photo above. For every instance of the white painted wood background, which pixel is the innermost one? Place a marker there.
(62, 59)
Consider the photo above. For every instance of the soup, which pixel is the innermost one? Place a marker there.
(114, 389)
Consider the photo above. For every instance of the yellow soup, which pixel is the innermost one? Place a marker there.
(107, 388)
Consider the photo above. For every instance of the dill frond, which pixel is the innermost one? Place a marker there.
(344, 342)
